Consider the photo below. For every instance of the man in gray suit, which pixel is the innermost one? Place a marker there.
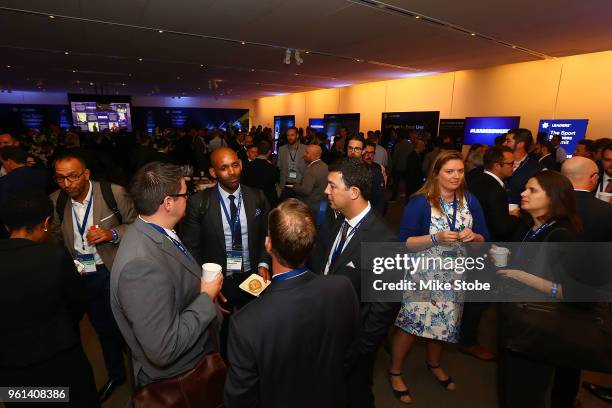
(164, 309)
(291, 159)
(311, 190)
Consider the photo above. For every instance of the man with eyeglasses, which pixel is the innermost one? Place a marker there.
(359, 149)
(91, 218)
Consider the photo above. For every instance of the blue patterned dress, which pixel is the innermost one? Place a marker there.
(439, 319)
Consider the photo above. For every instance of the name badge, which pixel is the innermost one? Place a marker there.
(292, 174)
(234, 261)
(88, 261)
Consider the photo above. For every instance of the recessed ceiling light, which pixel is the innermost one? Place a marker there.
(8, 66)
(252, 69)
(358, 60)
(296, 74)
(199, 89)
(473, 34)
(129, 75)
(74, 71)
(514, 46)
(417, 17)
(242, 42)
(202, 65)
(66, 53)
(91, 84)
(140, 59)
(51, 17)
(123, 84)
(306, 52)
(160, 31)
(178, 77)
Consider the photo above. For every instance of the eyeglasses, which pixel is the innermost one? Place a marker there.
(507, 163)
(71, 178)
(354, 149)
(186, 195)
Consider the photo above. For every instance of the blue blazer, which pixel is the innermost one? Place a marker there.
(416, 218)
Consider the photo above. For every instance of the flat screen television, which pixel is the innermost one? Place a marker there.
(333, 122)
(94, 113)
(484, 129)
(570, 130)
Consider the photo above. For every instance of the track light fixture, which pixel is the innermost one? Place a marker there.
(298, 60)
(288, 56)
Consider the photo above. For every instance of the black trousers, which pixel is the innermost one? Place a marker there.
(470, 321)
(523, 382)
(100, 314)
(236, 298)
(359, 383)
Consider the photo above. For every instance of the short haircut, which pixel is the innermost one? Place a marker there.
(588, 144)
(355, 173)
(252, 146)
(263, 147)
(71, 156)
(26, 209)
(556, 136)
(14, 154)
(359, 138)
(372, 144)
(548, 145)
(600, 144)
(495, 154)
(152, 183)
(293, 128)
(292, 232)
(522, 135)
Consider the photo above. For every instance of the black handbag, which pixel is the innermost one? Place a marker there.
(575, 335)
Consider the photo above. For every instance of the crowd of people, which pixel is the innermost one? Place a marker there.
(116, 226)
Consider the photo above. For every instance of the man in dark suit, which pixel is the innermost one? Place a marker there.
(520, 141)
(19, 175)
(338, 252)
(288, 339)
(262, 174)
(378, 197)
(488, 187)
(227, 225)
(547, 156)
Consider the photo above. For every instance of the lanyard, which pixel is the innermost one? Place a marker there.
(231, 222)
(531, 234)
(338, 249)
(176, 242)
(289, 275)
(294, 155)
(452, 223)
(81, 227)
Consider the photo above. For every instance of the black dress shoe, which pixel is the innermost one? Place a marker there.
(108, 388)
(603, 393)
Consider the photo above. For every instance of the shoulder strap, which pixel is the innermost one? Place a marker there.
(60, 205)
(204, 204)
(109, 199)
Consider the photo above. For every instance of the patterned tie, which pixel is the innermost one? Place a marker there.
(237, 232)
(338, 251)
(609, 187)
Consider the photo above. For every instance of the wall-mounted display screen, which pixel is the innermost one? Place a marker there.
(485, 129)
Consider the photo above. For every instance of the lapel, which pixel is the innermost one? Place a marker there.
(249, 210)
(169, 248)
(354, 244)
(216, 216)
(98, 203)
(67, 227)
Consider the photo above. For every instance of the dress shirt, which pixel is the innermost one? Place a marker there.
(78, 210)
(517, 164)
(352, 224)
(501, 183)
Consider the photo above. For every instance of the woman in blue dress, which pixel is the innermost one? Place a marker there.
(436, 220)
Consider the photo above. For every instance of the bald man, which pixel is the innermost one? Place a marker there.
(227, 225)
(596, 214)
(311, 190)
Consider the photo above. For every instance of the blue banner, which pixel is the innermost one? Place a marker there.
(486, 128)
(570, 130)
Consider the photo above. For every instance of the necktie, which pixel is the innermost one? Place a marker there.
(609, 188)
(338, 249)
(237, 229)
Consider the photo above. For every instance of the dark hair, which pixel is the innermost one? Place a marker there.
(601, 144)
(71, 156)
(355, 173)
(359, 138)
(263, 147)
(476, 146)
(499, 140)
(252, 146)
(548, 145)
(495, 154)
(152, 183)
(588, 144)
(560, 191)
(292, 232)
(293, 128)
(15, 154)
(522, 135)
(372, 144)
(26, 209)
(556, 136)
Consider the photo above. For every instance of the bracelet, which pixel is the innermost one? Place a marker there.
(434, 240)
(553, 290)
(115, 236)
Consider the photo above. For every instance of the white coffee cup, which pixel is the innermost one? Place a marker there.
(512, 207)
(500, 256)
(210, 271)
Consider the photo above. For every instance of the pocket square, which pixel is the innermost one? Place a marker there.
(257, 211)
(351, 265)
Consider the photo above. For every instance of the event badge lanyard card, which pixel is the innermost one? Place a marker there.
(292, 170)
(234, 256)
(452, 223)
(85, 262)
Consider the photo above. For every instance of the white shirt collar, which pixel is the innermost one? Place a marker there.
(543, 157)
(501, 183)
(225, 195)
(313, 162)
(87, 198)
(579, 189)
(357, 219)
(171, 233)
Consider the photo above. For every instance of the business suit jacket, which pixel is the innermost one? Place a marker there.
(288, 347)
(549, 162)
(261, 174)
(156, 301)
(494, 202)
(202, 227)
(375, 317)
(311, 190)
(100, 211)
(519, 178)
(284, 159)
(377, 196)
(30, 178)
(596, 217)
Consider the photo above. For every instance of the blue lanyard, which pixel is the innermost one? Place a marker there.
(231, 222)
(531, 234)
(452, 223)
(177, 243)
(338, 249)
(294, 155)
(81, 227)
(289, 275)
